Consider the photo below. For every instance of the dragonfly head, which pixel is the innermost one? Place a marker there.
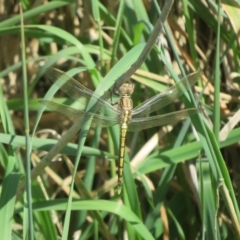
(126, 89)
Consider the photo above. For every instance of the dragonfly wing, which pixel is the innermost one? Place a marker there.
(75, 114)
(164, 98)
(138, 124)
(76, 91)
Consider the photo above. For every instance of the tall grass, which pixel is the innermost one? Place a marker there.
(180, 181)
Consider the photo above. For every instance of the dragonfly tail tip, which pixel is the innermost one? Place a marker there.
(119, 190)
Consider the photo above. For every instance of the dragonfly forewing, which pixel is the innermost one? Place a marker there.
(77, 91)
(164, 98)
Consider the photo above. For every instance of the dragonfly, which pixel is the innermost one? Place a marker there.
(128, 118)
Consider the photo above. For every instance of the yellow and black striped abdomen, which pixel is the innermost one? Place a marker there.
(123, 133)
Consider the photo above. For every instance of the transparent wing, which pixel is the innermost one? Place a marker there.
(164, 98)
(75, 114)
(76, 91)
(138, 124)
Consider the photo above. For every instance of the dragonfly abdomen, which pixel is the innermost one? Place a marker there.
(123, 133)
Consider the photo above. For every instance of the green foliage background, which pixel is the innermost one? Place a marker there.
(179, 183)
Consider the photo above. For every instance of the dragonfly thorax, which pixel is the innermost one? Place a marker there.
(125, 103)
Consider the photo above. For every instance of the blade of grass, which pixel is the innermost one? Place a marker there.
(96, 16)
(216, 112)
(47, 144)
(190, 31)
(88, 178)
(7, 203)
(28, 223)
(117, 32)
